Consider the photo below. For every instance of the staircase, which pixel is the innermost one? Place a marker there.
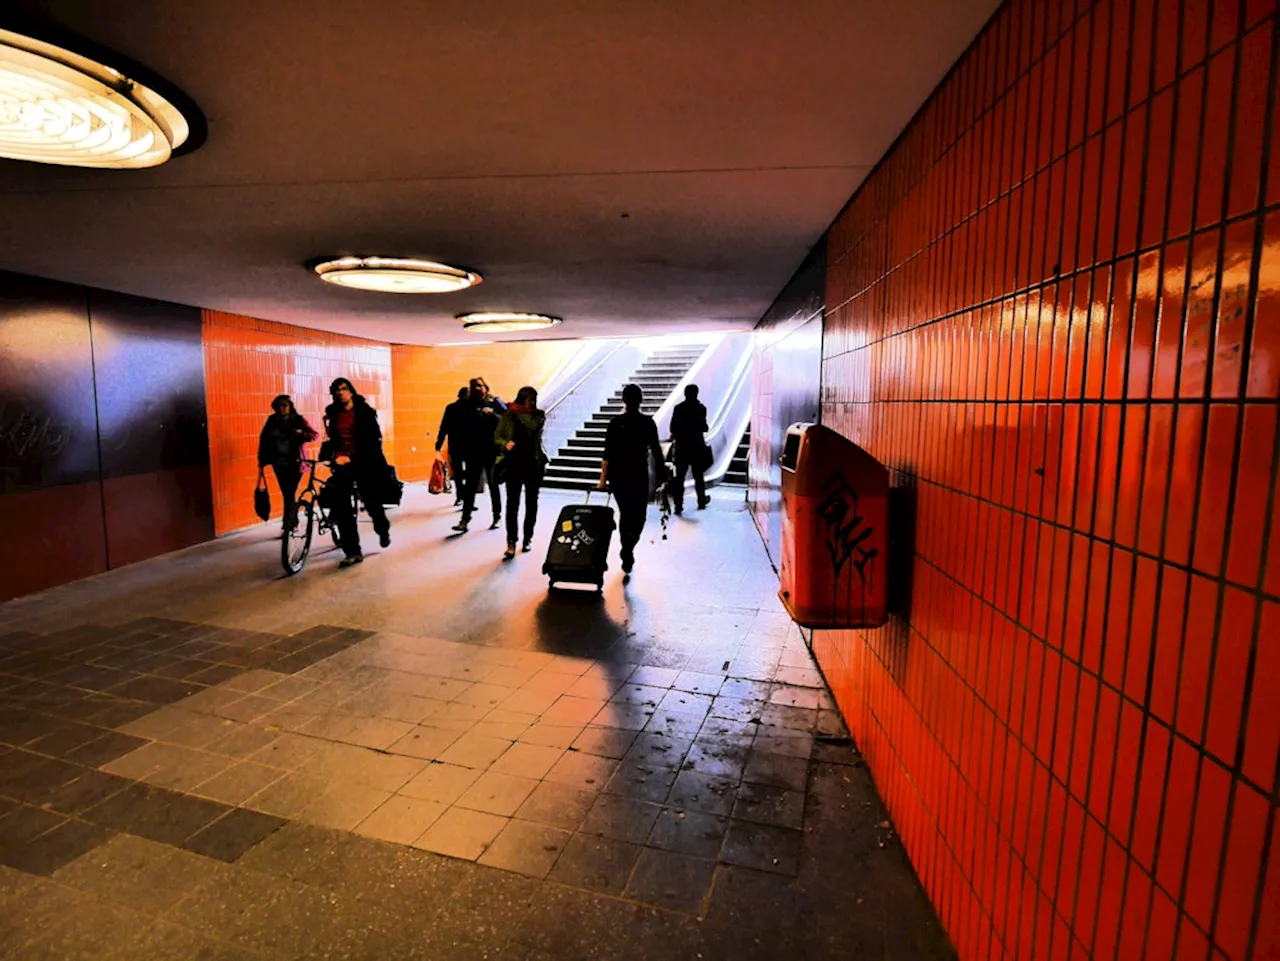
(576, 466)
(737, 472)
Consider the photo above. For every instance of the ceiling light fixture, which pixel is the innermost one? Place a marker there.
(506, 322)
(396, 275)
(61, 107)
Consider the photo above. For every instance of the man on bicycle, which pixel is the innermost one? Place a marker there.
(355, 444)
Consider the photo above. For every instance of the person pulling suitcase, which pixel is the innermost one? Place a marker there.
(630, 440)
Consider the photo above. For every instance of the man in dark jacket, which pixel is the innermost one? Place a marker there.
(450, 427)
(280, 447)
(355, 440)
(474, 437)
(630, 440)
(688, 425)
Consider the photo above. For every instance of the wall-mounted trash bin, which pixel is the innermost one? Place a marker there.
(835, 531)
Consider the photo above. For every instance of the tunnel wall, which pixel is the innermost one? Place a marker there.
(247, 363)
(104, 451)
(786, 374)
(427, 380)
(1052, 312)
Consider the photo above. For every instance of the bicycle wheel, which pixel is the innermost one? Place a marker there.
(296, 545)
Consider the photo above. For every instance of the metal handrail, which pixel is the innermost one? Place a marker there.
(583, 379)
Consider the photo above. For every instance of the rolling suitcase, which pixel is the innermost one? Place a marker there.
(579, 548)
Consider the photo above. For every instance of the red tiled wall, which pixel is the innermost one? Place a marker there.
(1054, 310)
(247, 363)
(427, 379)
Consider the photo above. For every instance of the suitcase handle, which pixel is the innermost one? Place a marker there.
(608, 496)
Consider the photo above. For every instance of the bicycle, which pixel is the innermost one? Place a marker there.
(310, 514)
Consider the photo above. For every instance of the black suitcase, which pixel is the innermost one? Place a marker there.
(579, 548)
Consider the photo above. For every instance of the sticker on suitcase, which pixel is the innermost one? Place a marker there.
(575, 536)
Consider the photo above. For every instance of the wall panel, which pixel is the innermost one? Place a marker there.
(247, 363)
(427, 380)
(1052, 312)
(785, 379)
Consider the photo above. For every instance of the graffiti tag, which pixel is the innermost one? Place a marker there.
(846, 528)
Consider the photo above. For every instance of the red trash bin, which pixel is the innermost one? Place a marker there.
(835, 531)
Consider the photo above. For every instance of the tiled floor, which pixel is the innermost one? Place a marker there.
(430, 756)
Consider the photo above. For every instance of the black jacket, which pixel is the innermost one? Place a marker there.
(451, 424)
(367, 438)
(471, 434)
(280, 441)
(629, 441)
(688, 424)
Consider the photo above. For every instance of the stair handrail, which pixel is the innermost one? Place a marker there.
(600, 362)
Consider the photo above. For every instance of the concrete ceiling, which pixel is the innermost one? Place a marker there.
(636, 166)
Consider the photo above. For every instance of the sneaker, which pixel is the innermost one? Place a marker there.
(528, 546)
(351, 561)
(509, 553)
(384, 539)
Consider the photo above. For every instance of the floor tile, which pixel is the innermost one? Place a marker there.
(675, 881)
(527, 760)
(343, 805)
(439, 782)
(695, 683)
(767, 804)
(584, 771)
(604, 741)
(475, 751)
(777, 771)
(497, 793)
(460, 833)
(526, 848)
(229, 837)
(559, 805)
(698, 792)
(596, 863)
(239, 782)
(621, 818)
(401, 820)
(688, 832)
(762, 847)
(425, 741)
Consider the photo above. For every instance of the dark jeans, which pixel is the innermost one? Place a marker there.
(633, 511)
(338, 493)
(677, 489)
(288, 477)
(514, 483)
(473, 468)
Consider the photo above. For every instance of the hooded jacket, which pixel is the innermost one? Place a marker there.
(528, 459)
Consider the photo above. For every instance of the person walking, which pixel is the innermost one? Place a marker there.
(630, 439)
(520, 464)
(475, 432)
(688, 427)
(450, 426)
(355, 439)
(280, 448)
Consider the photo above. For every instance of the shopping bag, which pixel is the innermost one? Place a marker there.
(262, 499)
(438, 481)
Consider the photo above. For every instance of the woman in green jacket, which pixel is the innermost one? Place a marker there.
(521, 463)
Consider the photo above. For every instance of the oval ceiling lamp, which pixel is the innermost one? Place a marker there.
(58, 106)
(396, 275)
(506, 322)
